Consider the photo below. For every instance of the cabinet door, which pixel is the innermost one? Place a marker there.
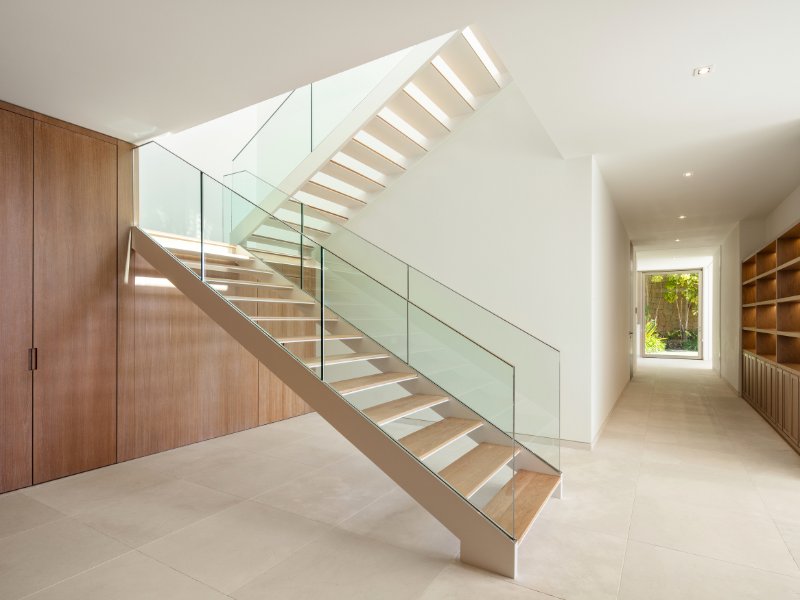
(16, 272)
(790, 396)
(75, 254)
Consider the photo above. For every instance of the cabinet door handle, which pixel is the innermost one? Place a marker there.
(33, 359)
(30, 359)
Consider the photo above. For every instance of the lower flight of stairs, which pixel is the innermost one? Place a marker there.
(481, 484)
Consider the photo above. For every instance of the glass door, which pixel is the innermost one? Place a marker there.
(672, 314)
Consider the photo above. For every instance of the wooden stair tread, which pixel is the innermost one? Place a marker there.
(368, 382)
(296, 339)
(318, 190)
(223, 267)
(340, 359)
(248, 283)
(531, 491)
(372, 158)
(397, 409)
(314, 319)
(268, 300)
(470, 472)
(434, 437)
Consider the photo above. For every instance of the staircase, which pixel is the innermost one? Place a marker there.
(482, 484)
(418, 104)
(434, 409)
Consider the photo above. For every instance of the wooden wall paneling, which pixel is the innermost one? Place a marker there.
(126, 298)
(166, 387)
(16, 305)
(75, 302)
(276, 400)
(789, 281)
(228, 383)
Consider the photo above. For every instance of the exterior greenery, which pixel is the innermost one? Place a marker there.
(672, 312)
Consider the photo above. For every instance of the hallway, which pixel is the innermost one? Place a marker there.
(688, 494)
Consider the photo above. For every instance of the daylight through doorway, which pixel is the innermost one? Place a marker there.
(673, 314)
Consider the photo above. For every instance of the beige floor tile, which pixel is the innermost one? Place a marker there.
(333, 493)
(654, 573)
(460, 582)
(230, 548)
(315, 451)
(594, 509)
(734, 536)
(246, 475)
(154, 512)
(130, 577)
(86, 491)
(342, 566)
(180, 461)
(397, 519)
(40, 557)
(19, 512)
(571, 563)
(697, 485)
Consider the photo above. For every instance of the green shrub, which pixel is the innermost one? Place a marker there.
(652, 342)
(691, 342)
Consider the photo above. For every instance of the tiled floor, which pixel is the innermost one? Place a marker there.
(688, 494)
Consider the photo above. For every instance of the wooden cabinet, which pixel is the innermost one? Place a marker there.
(75, 302)
(16, 302)
(58, 255)
(771, 333)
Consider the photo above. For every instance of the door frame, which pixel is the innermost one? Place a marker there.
(700, 301)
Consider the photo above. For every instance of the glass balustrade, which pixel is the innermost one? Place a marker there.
(460, 368)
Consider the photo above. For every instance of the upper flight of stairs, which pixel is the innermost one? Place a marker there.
(372, 149)
(476, 479)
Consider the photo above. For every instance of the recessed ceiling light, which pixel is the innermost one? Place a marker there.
(688, 173)
(677, 239)
(682, 217)
(702, 71)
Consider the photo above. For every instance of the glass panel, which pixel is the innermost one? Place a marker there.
(536, 373)
(169, 193)
(336, 96)
(275, 283)
(482, 381)
(365, 304)
(282, 142)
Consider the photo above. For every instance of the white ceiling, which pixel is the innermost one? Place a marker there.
(610, 78)
(674, 259)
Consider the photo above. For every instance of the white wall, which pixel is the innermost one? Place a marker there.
(713, 316)
(211, 146)
(610, 303)
(784, 216)
(730, 307)
(495, 213)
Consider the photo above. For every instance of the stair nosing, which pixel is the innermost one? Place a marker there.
(476, 424)
(399, 378)
(432, 401)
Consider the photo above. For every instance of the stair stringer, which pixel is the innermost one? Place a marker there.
(483, 544)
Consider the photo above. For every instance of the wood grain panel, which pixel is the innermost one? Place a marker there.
(16, 308)
(228, 381)
(167, 400)
(126, 304)
(75, 291)
(276, 400)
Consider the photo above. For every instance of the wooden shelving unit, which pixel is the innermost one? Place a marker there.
(771, 334)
